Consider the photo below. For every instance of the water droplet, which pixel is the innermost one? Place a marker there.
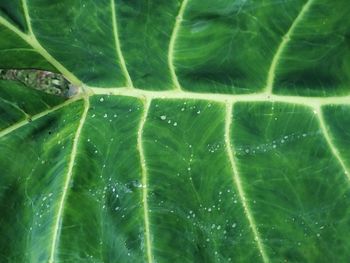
(163, 117)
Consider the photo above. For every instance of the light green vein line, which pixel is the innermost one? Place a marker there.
(14, 105)
(282, 46)
(117, 46)
(238, 183)
(18, 50)
(34, 43)
(27, 17)
(329, 140)
(26, 121)
(171, 48)
(14, 29)
(145, 181)
(255, 97)
(73, 155)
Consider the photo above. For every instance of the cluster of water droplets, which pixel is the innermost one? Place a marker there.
(274, 144)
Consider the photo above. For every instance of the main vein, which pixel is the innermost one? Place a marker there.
(173, 37)
(238, 183)
(145, 181)
(58, 223)
(282, 46)
(330, 141)
(31, 40)
(117, 46)
(254, 97)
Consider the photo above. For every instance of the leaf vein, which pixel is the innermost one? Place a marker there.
(238, 183)
(57, 226)
(330, 143)
(26, 121)
(31, 40)
(255, 97)
(171, 48)
(118, 47)
(284, 42)
(145, 181)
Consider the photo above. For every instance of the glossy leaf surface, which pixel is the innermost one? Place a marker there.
(202, 132)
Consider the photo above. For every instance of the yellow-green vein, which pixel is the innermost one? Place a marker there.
(238, 183)
(31, 40)
(329, 140)
(145, 181)
(57, 227)
(282, 46)
(28, 120)
(118, 47)
(171, 48)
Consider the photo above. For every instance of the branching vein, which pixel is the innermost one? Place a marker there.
(237, 181)
(117, 46)
(27, 17)
(58, 223)
(26, 121)
(282, 46)
(173, 37)
(145, 181)
(330, 143)
(31, 40)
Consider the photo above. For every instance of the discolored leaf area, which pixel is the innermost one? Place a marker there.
(203, 131)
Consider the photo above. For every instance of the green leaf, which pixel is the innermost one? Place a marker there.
(202, 132)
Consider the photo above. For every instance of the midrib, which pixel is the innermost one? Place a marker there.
(254, 97)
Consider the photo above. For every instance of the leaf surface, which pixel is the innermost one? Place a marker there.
(201, 133)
